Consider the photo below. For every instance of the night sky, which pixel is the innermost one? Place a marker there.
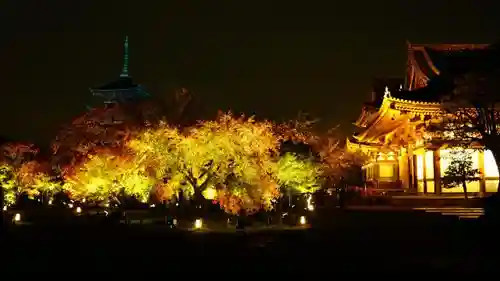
(269, 59)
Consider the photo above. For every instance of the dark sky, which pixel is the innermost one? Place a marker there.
(272, 59)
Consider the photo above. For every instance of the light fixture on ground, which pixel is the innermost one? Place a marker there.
(78, 210)
(70, 205)
(302, 220)
(198, 223)
(17, 217)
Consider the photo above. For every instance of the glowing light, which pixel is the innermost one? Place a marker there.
(303, 220)
(390, 156)
(5, 208)
(78, 210)
(381, 156)
(209, 193)
(70, 206)
(152, 205)
(387, 93)
(420, 167)
(490, 166)
(429, 164)
(50, 202)
(17, 217)
(198, 223)
(310, 205)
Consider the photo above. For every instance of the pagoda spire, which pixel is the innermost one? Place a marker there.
(125, 59)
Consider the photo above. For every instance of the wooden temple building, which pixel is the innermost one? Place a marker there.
(402, 153)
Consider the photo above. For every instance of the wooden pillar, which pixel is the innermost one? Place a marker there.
(409, 172)
(424, 172)
(482, 181)
(414, 172)
(437, 171)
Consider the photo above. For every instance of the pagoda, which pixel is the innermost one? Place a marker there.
(393, 126)
(122, 90)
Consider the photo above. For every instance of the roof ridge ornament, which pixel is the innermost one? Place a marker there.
(387, 93)
(125, 59)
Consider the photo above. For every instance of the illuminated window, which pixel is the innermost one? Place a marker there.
(490, 166)
(446, 159)
(420, 187)
(491, 185)
(471, 187)
(430, 187)
(420, 167)
(386, 170)
(429, 164)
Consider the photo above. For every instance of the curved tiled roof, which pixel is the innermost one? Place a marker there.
(432, 93)
(121, 83)
(431, 59)
(456, 62)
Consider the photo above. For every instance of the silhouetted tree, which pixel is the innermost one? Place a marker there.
(460, 171)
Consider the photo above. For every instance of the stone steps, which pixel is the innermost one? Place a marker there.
(463, 213)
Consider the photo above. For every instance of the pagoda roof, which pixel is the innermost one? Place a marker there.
(432, 93)
(432, 59)
(122, 83)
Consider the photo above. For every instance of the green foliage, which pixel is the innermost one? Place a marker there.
(301, 175)
(8, 184)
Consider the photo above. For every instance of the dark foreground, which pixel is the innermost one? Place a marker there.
(343, 241)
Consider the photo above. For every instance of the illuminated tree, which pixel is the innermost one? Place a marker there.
(14, 153)
(459, 171)
(230, 155)
(298, 130)
(158, 150)
(300, 175)
(109, 175)
(97, 129)
(9, 187)
(33, 178)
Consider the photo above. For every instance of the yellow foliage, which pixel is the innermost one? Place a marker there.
(106, 174)
(300, 175)
(33, 179)
(233, 160)
(9, 186)
(205, 156)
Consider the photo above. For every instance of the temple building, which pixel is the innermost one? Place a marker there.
(393, 133)
(123, 89)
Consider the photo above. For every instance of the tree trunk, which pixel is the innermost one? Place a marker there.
(464, 185)
(197, 206)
